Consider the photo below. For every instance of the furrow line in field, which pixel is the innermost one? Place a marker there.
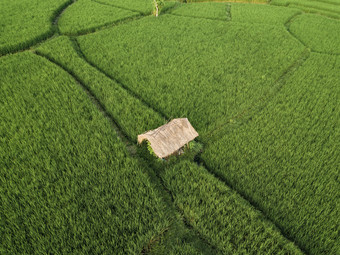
(119, 82)
(93, 98)
(287, 26)
(261, 103)
(250, 201)
(229, 15)
(167, 195)
(44, 37)
(56, 18)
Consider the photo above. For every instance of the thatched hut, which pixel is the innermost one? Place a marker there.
(169, 138)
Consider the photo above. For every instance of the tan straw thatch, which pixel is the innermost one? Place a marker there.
(169, 138)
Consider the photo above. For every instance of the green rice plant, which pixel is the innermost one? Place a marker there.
(131, 114)
(243, 1)
(25, 22)
(285, 158)
(87, 15)
(222, 216)
(142, 6)
(321, 34)
(67, 183)
(197, 68)
(204, 10)
(267, 14)
(316, 11)
(322, 7)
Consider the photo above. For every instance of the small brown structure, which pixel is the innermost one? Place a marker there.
(169, 138)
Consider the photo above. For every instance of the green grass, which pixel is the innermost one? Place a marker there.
(26, 22)
(87, 15)
(285, 157)
(67, 183)
(219, 11)
(254, 13)
(196, 68)
(221, 215)
(315, 32)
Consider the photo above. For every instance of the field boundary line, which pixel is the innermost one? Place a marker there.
(119, 82)
(250, 201)
(287, 27)
(261, 103)
(92, 97)
(53, 31)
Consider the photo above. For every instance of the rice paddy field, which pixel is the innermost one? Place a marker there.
(258, 80)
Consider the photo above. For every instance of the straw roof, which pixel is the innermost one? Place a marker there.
(170, 137)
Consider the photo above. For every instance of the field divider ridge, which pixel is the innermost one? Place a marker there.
(287, 27)
(249, 200)
(119, 82)
(93, 98)
(261, 103)
(45, 36)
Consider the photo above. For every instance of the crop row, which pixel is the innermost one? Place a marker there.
(285, 159)
(26, 22)
(132, 116)
(67, 183)
(221, 215)
(196, 68)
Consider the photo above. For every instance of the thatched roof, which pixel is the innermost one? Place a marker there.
(170, 137)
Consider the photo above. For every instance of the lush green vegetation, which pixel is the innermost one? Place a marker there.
(254, 13)
(87, 15)
(26, 22)
(142, 6)
(132, 115)
(330, 8)
(288, 154)
(204, 10)
(168, 69)
(313, 31)
(67, 182)
(258, 82)
(221, 215)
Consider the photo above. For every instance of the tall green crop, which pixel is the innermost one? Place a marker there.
(26, 22)
(285, 158)
(67, 183)
(131, 114)
(196, 68)
(86, 15)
